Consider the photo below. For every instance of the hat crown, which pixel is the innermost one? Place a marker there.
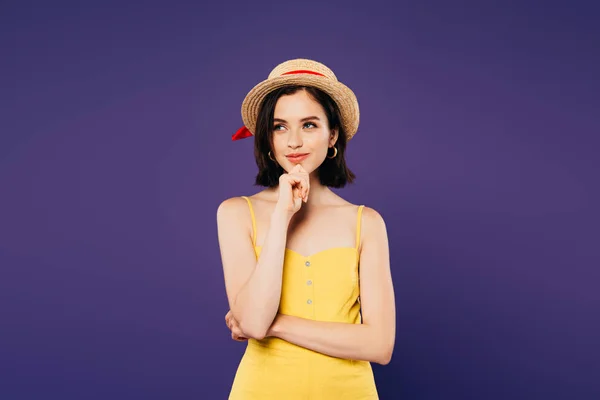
(302, 64)
(303, 72)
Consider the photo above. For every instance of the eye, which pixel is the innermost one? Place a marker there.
(309, 124)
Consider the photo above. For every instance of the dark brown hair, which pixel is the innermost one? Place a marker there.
(333, 172)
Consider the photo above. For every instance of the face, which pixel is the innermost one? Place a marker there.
(301, 133)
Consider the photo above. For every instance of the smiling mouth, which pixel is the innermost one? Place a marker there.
(297, 157)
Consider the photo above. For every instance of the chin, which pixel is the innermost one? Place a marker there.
(289, 166)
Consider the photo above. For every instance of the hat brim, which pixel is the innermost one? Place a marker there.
(340, 93)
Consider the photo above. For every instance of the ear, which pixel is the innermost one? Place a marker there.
(333, 137)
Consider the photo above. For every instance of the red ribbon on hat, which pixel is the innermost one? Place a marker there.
(243, 132)
(303, 71)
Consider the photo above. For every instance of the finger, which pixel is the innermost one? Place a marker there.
(298, 188)
(305, 188)
(231, 323)
(302, 175)
(301, 185)
(296, 178)
(300, 182)
(292, 179)
(296, 193)
(237, 333)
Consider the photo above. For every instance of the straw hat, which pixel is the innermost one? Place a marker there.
(305, 72)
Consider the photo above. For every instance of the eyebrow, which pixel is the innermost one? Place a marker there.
(302, 120)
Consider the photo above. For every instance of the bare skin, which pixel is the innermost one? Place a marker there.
(306, 217)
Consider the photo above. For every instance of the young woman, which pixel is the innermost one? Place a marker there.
(307, 273)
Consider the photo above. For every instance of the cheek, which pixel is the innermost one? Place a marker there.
(317, 142)
(279, 145)
(320, 147)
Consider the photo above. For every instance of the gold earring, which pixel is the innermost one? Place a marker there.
(334, 152)
(272, 159)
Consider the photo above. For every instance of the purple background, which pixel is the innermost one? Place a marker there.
(477, 144)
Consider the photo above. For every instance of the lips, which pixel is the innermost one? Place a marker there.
(297, 157)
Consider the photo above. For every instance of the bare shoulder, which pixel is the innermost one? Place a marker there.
(232, 208)
(237, 208)
(373, 224)
(373, 216)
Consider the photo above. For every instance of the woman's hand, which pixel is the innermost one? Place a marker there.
(275, 326)
(294, 187)
(232, 324)
(237, 334)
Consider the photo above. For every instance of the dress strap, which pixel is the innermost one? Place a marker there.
(358, 225)
(253, 220)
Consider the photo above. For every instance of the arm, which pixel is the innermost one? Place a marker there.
(253, 287)
(374, 339)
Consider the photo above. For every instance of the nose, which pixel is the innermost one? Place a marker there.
(294, 139)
